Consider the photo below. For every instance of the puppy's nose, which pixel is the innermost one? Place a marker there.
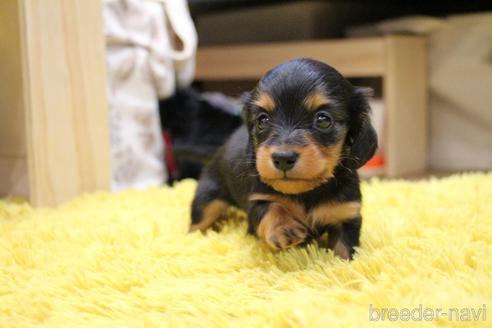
(284, 160)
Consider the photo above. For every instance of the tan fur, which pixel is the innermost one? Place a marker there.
(313, 168)
(265, 101)
(315, 100)
(294, 187)
(310, 164)
(276, 226)
(295, 209)
(332, 156)
(333, 213)
(327, 213)
(272, 218)
(211, 213)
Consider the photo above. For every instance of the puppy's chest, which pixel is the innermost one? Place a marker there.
(322, 213)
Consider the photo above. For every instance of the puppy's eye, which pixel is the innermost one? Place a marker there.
(262, 121)
(322, 121)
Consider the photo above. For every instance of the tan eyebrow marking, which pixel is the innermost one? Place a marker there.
(265, 101)
(315, 100)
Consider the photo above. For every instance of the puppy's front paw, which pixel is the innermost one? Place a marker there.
(286, 234)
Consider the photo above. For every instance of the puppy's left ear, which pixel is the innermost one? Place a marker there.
(245, 99)
(361, 142)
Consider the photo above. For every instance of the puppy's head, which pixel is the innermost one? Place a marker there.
(304, 119)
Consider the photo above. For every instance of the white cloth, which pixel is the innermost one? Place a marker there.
(184, 30)
(143, 66)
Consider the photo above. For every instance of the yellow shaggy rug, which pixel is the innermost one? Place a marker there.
(125, 260)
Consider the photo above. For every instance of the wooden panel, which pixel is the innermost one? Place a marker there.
(406, 102)
(12, 131)
(357, 57)
(13, 162)
(65, 95)
(13, 172)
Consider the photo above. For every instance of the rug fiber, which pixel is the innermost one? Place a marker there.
(125, 260)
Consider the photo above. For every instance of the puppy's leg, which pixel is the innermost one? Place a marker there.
(208, 204)
(343, 237)
(274, 225)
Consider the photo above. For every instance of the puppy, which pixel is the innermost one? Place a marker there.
(292, 165)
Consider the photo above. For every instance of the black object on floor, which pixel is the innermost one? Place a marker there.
(197, 128)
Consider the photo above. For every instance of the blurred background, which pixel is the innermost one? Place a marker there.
(455, 125)
(176, 71)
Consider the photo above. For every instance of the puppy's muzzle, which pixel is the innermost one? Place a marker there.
(285, 160)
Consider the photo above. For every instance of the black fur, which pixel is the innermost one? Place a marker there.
(232, 175)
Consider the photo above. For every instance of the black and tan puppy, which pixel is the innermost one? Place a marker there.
(292, 166)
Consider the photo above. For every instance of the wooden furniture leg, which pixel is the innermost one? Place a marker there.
(406, 100)
(54, 130)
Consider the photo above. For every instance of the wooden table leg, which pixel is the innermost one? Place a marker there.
(61, 119)
(405, 94)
